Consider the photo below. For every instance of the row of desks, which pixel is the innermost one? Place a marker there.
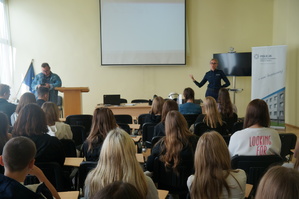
(75, 194)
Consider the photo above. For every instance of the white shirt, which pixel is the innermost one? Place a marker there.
(255, 141)
(60, 130)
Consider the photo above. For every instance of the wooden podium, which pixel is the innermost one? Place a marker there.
(72, 100)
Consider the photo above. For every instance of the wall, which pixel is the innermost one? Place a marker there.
(286, 31)
(66, 35)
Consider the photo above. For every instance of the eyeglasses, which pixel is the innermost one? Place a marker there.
(213, 63)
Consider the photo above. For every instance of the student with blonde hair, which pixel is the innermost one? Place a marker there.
(56, 128)
(118, 163)
(278, 183)
(212, 117)
(213, 176)
(103, 121)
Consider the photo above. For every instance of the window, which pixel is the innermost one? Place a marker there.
(6, 51)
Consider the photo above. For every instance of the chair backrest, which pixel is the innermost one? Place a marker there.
(201, 127)
(148, 134)
(55, 175)
(190, 118)
(84, 169)
(122, 100)
(155, 140)
(125, 127)
(141, 118)
(69, 147)
(139, 101)
(59, 100)
(79, 135)
(288, 142)
(175, 183)
(83, 120)
(237, 126)
(255, 166)
(230, 121)
(124, 119)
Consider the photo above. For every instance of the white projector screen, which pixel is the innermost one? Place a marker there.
(143, 32)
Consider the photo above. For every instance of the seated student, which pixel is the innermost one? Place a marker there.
(31, 123)
(176, 147)
(227, 109)
(118, 190)
(189, 107)
(4, 135)
(213, 176)
(4, 127)
(168, 105)
(56, 128)
(155, 112)
(5, 106)
(296, 156)
(26, 98)
(42, 95)
(18, 161)
(103, 121)
(277, 183)
(256, 138)
(212, 117)
(118, 163)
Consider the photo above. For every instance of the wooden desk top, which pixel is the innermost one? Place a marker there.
(69, 194)
(140, 157)
(73, 162)
(162, 194)
(137, 138)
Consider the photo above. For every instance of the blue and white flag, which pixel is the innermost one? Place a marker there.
(28, 79)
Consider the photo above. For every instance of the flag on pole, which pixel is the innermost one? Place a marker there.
(29, 77)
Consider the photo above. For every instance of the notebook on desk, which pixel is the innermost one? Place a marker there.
(111, 99)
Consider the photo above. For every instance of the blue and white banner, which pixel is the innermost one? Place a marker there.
(268, 79)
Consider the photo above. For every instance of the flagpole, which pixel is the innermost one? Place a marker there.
(24, 78)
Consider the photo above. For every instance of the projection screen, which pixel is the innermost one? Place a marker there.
(143, 32)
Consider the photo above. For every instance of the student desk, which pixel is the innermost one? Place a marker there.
(69, 194)
(129, 109)
(75, 162)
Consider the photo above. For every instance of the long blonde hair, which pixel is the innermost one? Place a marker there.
(117, 162)
(212, 117)
(176, 138)
(211, 161)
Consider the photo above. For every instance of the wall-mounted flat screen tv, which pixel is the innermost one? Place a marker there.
(143, 32)
(234, 64)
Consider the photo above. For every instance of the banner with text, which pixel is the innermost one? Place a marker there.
(268, 79)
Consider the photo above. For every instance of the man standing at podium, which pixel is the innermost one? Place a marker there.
(49, 80)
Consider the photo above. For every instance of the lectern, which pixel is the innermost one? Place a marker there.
(72, 100)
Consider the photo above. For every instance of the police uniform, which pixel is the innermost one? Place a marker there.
(214, 79)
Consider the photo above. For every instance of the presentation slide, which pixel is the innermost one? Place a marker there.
(143, 32)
